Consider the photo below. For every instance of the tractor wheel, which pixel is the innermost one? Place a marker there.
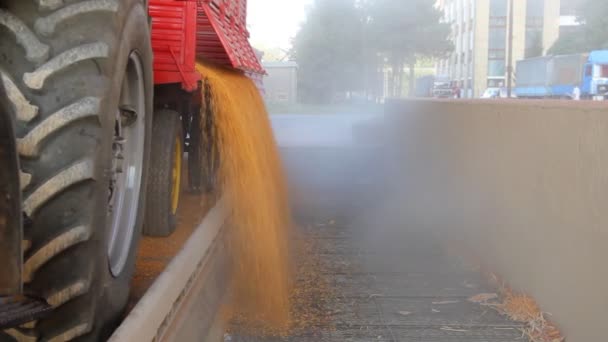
(164, 181)
(78, 78)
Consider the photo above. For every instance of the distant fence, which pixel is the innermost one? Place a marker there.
(524, 184)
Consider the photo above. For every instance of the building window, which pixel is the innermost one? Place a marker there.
(499, 54)
(459, 11)
(535, 14)
(496, 68)
(498, 8)
(498, 38)
(534, 42)
(535, 8)
(535, 22)
(453, 11)
(498, 13)
(496, 53)
(472, 9)
(498, 21)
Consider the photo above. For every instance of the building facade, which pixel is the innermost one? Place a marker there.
(479, 33)
(281, 83)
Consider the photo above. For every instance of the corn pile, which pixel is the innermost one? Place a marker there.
(519, 307)
(522, 308)
(252, 181)
(312, 296)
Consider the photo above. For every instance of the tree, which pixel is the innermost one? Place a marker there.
(592, 34)
(405, 30)
(345, 44)
(569, 43)
(329, 51)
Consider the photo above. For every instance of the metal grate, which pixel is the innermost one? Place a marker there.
(424, 299)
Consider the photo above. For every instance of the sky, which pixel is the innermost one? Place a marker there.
(272, 23)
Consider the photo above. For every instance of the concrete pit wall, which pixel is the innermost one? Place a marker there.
(525, 186)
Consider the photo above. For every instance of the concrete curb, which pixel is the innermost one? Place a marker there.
(161, 313)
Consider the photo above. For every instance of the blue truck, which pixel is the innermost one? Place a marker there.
(558, 76)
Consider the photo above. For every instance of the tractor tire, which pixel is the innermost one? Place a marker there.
(78, 78)
(164, 181)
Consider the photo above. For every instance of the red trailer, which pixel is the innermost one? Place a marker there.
(213, 30)
(182, 33)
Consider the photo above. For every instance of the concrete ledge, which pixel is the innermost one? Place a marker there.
(182, 303)
(525, 185)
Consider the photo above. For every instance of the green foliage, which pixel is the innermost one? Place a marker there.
(346, 44)
(405, 30)
(591, 35)
(593, 15)
(329, 50)
(408, 28)
(569, 43)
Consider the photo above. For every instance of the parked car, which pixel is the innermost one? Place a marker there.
(443, 87)
(496, 93)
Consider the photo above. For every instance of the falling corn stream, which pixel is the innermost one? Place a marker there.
(252, 181)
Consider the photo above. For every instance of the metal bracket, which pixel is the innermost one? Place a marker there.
(17, 310)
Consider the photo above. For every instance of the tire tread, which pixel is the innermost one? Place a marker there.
(159, 220)
(59, 137)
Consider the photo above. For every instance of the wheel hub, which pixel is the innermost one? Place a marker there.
(127, 166)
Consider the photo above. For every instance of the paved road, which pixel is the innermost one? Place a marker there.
(393, 282)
